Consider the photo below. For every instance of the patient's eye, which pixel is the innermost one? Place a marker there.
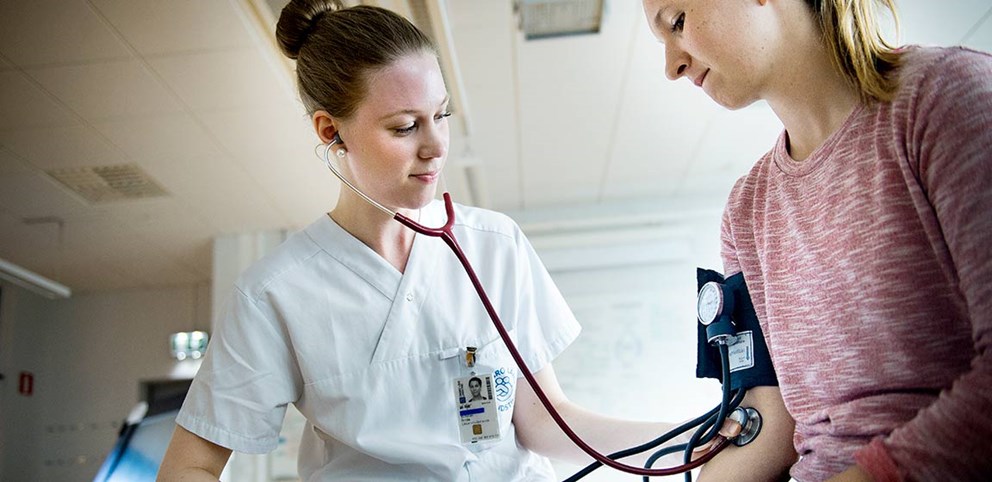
(679, 24)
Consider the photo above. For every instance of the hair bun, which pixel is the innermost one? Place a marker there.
(298, 19)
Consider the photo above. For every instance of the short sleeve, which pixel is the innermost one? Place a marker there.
(545, 324)
(248, 376)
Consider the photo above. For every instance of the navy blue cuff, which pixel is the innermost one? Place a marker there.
(762, 373)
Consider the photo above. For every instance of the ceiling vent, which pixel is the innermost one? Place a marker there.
(103, 184)
(541, 19)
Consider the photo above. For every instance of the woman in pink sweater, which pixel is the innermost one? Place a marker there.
(864, 234)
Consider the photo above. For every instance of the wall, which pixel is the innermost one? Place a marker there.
(635, 358)
(19, 444)
(88, 355)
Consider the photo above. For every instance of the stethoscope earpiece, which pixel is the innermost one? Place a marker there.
(341, 152)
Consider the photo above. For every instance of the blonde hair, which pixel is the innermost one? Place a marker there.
(852, 34)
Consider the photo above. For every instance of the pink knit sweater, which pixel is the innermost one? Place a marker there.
(870, 268)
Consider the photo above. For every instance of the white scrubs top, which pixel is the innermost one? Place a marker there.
(369, 355)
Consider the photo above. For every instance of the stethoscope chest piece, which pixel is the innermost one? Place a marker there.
(750, 421)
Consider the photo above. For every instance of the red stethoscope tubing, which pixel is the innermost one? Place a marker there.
(448, 236)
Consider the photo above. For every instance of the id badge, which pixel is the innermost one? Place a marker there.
(478, 420)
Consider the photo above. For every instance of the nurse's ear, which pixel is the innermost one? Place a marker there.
(326, 127)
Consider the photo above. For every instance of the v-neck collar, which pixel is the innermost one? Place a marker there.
(369, 265)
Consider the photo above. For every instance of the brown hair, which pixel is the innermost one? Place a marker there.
(337, 48)
(852, 34)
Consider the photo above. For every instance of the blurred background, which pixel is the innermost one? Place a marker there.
(152, 149)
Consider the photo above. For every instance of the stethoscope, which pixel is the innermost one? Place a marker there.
(708, 424)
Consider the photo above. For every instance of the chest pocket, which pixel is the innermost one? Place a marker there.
(493, 360)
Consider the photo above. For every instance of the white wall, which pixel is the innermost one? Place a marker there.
(636, 358)
(88, 355)
(20, 448)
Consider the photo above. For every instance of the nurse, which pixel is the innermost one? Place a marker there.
(374, 333)
(863, 235)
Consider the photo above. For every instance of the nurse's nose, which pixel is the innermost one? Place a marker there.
(676, 61)
(435, 143)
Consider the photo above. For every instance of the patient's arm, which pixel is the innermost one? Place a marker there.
(769, 456)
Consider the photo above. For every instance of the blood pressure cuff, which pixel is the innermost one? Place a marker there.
(750, 363)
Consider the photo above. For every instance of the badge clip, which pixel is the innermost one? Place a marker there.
(470, 356)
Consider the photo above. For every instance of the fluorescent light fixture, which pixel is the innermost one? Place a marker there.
(188, 344)
(32, 281)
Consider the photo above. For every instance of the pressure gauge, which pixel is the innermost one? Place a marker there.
(709, 302)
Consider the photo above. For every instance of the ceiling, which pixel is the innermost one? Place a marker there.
(194, 93)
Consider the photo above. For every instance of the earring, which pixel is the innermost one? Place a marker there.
(340, 153)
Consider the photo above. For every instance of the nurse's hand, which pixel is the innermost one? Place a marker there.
(770, 455)
(729, 430)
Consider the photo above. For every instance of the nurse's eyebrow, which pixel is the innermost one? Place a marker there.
(413, 112)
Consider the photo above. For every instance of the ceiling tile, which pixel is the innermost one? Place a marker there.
(44, 32)
(36, 195)
(58, 147)
(81, 273)
(10, 164)
(276, 147)
(88, 275)
(160, 227)
(113, 248)
(35, 251)
(223, 80)
(129, 253)
(262, 134)
(177, 231)
(161, 139)
(303, 190)
(981, 38)
(223, 194)
(732, 142)
(185, 160)
(22, 244)
(651, 153)
(106, 90)
(484, 49)
(938, 23)
(23, 104)
(140, 213)
(156, 27)
(566, 125)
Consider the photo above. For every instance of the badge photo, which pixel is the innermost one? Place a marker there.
(477, 415)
